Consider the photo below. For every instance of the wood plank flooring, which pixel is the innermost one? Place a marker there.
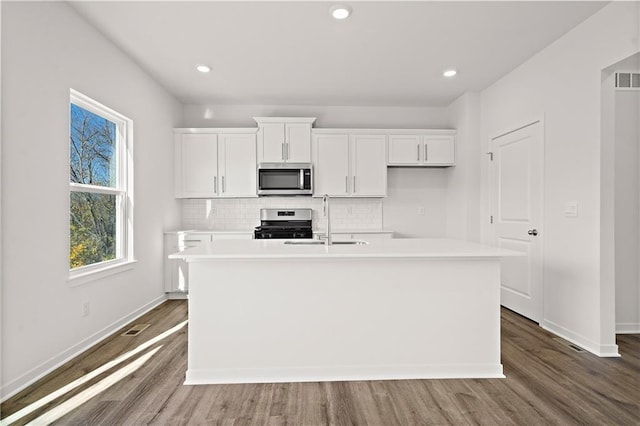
(547, 383)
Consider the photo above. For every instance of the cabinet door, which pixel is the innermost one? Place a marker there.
(237, 165)
(298, 140)
(272, 142)
(197, 166)
(368, 165)
(331, 165)
(439, 150)
(404, 149)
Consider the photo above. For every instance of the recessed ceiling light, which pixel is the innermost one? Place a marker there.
(340, 12)
(450, 73)
(203, 68)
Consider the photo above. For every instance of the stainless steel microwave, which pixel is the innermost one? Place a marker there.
(285, 179)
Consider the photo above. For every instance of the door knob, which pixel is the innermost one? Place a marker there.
(533, 232)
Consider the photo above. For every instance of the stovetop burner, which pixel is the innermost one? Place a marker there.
(284, 224)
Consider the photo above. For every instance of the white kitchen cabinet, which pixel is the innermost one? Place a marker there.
(176, 272)
(331, 165)
(359, 236)
(368, 165)
(237, 165)
(404, 149)
(349, 165)
(421, 150)
(196, 165)
(284, 139)
(438, 150)
(213, 163)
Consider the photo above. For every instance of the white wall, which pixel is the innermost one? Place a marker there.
(627, 212)
(409, 189)
(563, 84)
(326, 116)
(46, 50)
(463, 184)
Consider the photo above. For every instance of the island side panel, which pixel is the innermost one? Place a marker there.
(287, 320)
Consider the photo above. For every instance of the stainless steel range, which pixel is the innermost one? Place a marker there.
(284, 224)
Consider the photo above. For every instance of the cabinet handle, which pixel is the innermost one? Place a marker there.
(426, 152)
(283, 151)
(288, 151)
(224, 187)
(346, 184)
(418, 146)
(354, 184)
(215, 184)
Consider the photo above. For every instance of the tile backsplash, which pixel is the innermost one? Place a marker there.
(244, 213)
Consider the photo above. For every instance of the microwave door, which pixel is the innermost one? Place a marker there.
(278, 179)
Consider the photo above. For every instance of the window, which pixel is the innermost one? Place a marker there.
(100, 187)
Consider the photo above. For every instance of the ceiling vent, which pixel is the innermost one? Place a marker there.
(628, 80)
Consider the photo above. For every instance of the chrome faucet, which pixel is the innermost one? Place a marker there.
(327, 214)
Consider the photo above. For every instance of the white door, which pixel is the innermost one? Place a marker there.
(438, 150)
(272, 143)
(198, 168)
(238, 165)
(516, 172)
(298, 139)
(331, 165)
(404, 149)
(369, 165)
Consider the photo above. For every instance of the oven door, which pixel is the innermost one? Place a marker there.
(284, 179)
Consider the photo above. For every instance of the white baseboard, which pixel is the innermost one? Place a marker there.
(36, 373)
(628, 328)
(342, 373)
(581, 341)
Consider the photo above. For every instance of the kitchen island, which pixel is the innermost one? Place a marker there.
(268, 311)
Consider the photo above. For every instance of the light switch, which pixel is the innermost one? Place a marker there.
(571, 209)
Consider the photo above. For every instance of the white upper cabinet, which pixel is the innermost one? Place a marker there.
(368, 165)
(331, 165)
(404, 149)
(215, 163)
(196, 171)
(437, 150)
(284, 139)
(237, 165)
(349, 165)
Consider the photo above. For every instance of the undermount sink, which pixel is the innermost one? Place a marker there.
(317, 242)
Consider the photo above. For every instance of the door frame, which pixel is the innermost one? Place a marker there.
(493, 193)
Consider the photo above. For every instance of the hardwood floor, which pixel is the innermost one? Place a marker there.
(547, 383)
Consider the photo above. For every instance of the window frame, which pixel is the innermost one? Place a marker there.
(123, 192)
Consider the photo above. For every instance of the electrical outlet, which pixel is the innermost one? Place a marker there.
(85, 308)
(422, 211)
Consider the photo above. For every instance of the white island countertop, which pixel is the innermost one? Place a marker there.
(390, 248)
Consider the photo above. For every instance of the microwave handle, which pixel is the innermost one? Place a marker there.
(301, 178)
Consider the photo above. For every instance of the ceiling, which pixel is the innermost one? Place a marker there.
(294, 53)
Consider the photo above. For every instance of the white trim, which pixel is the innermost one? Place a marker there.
(36, 373)
(342, 373)
(207, 130)
(583, 342)
(628, 328)
(94, 189)
(97, 108)
(96, 271)
(261, 120)
(428, 132)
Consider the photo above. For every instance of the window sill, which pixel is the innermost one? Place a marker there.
(77, 278)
